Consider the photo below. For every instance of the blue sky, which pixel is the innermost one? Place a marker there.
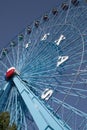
(17, 14)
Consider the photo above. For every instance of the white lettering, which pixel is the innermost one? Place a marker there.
(47, 93)
(62, 37)
(27, 45)
(62, 59)
(45, 37)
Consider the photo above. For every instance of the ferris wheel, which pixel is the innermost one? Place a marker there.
(43, 75)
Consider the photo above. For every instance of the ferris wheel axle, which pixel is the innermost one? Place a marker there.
(11, 72)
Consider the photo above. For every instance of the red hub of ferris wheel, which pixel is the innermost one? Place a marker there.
(10, 73)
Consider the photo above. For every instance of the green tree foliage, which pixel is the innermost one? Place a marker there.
(4, 122)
